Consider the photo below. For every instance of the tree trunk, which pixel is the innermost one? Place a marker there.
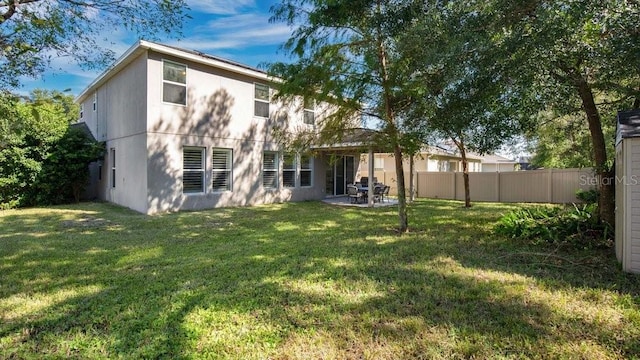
(465, 172)
(403, 220)
(412, 187)
(606, 201)
(394, 134)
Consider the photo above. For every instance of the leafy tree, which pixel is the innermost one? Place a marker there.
(563, 141)
(345, 55)
(16, 169)
(65, 171)
(32, 32)
(572, 52)
(459, 89)
(35, 141)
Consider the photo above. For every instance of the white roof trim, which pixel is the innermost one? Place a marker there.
(143, 45)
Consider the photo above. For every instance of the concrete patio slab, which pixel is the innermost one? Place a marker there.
(345, 201)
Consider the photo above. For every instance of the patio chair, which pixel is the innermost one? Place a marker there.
(354, 194)
(378, 192)
(385, 192)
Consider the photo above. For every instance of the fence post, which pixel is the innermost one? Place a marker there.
(550, 186)
(498, 186)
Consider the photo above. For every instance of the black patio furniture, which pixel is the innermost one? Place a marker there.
(385, 192)
(355, 194)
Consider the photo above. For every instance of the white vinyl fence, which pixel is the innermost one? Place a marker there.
(539, 186)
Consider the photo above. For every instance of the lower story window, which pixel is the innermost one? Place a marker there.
(289, 170)
(221, 174)
(270, 169)
(305, 170)
(113, 167)
(193, 170)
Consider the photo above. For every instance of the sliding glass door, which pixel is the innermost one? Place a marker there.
(340, 172)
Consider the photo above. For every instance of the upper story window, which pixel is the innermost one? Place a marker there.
(81, 110)
(95, 101)
(306, 170)
(309, 112)
(174, 83)
(261, 103)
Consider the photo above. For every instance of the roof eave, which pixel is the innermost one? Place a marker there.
(142, 45)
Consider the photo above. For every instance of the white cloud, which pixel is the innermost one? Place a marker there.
(236, 32)
(220, 7)
(233, 29)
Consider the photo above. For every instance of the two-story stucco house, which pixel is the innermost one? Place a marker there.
(186, 130)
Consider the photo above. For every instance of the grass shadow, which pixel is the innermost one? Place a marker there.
(298, 280)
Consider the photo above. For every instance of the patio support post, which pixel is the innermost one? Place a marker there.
(370, 184)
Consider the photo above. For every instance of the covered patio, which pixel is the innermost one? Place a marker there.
(353, 141)
(346, 201)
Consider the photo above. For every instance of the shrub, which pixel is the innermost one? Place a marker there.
(575, 225)
(42, 159)
(65, 172)
(588, 196)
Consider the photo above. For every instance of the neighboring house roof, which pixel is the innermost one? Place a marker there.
(443, 150)
(143, 45)
(496, 159)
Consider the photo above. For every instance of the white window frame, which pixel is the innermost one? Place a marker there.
(95, 101)
(309, 110)
(275, 169)
(309, 169)
(174, 83)
(112, 161)
(256, 100)
(81, 110)
(293, 170)
(378, 163)
(201, 170)
(228, 169)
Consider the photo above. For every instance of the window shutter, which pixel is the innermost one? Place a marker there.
(193, 170)
(270, 170)
(221, 160)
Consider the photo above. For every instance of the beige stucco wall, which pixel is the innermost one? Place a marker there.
(149, 136)
(422, 162)
(165, 175)
(494, 167)
(219, 113)
(131, 174)
(119, 120)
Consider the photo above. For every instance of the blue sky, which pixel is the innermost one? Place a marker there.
(237, 30)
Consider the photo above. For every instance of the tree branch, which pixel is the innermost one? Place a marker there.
(12, 6)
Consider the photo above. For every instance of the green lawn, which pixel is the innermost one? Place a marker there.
(303, 281)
